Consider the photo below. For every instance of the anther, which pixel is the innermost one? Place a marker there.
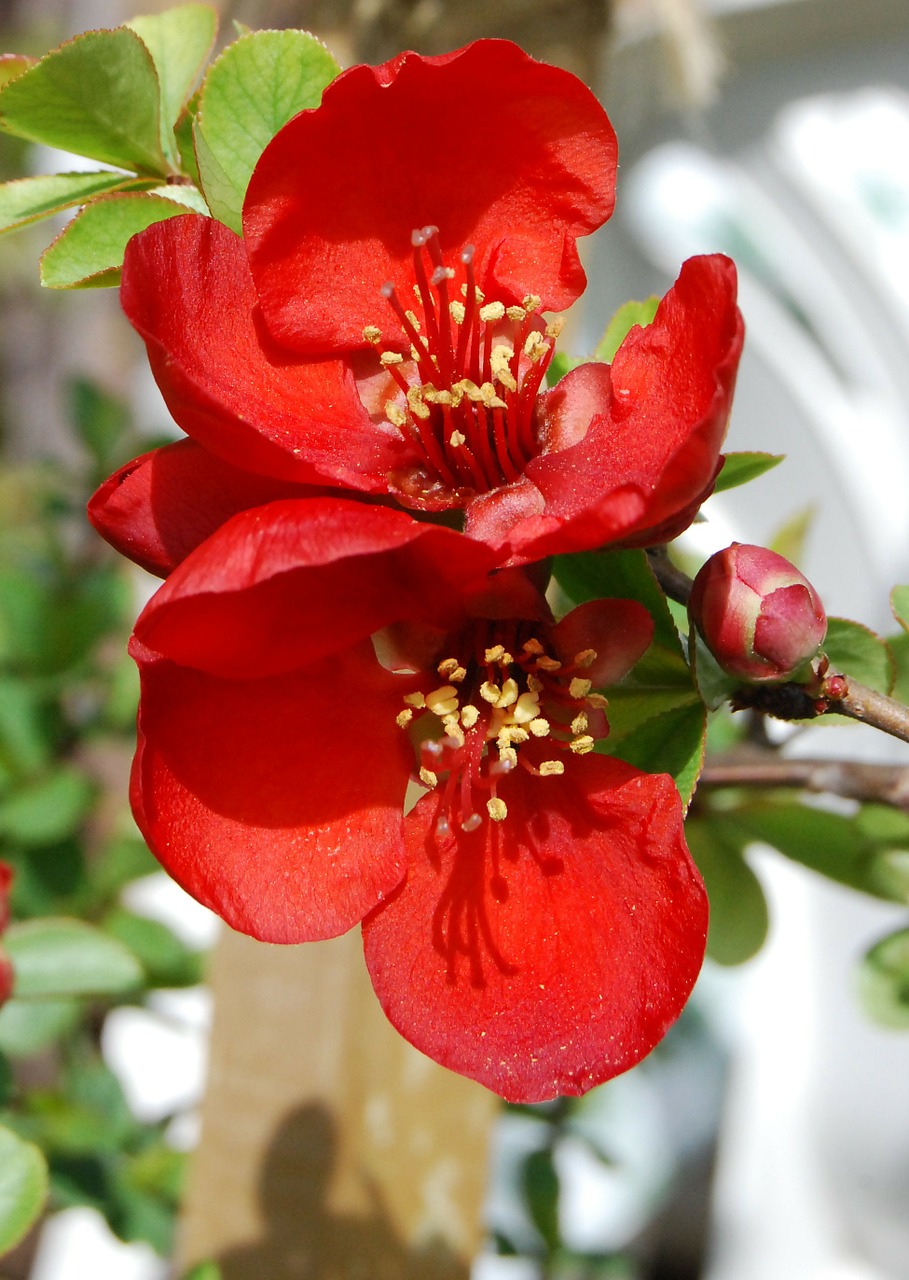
(492, 311)
(579, 723)
(443, 701)
(495, 654)
(403, 718)
(579, 688)
(539, 727)
(497, 809)
(581, 746)
(428, 778)
(549, 768)
(469, 716)
(372, 333)
(586, 658)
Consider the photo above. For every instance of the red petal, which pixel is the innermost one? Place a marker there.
(281, 586)
(276, 802)
(620, 632)
(552, 951)
(158, 508)
(651, 453)
(187, 290)
(497, 150)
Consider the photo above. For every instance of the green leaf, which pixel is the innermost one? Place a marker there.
(167, 961)
(738, 908)
(47, 810)
(96, 95)
(841, 847)
(61, 957)
(88, 253)
(858, 652)
(899, 652)
(28, 199)
(203, 1271)
(28, 1027)
(883, 981)
(250, 92)
(26, 744)
(541, 1192)
(656, 717)
(739, 468)
(179, 41)
(671, 742)
(12, 65)
(23, 1187)
(899, 603)
(628, 315)
(101, 420)
(789, 540)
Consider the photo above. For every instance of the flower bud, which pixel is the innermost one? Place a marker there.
(758, 616)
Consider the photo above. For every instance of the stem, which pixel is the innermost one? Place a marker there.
(675, 583)
(876, 709)
(877, 783)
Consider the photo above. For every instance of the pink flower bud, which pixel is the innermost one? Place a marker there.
(759, 617)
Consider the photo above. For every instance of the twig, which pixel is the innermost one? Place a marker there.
(876, 783)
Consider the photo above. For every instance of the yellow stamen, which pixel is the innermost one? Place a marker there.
(403, 718)
(545, 663)
(555, 327)
(533, 647)
(531, 302)
(428, 778)
(490, 692)
(579, 688)
(526, 708)
(391, 357)
(415, 400)
(582, 745)
(508, 756)
(413, 320)
(597, 700)
(372, 334)
(500, 359)
(469, 716)
(395, 414)
(549, 768)
(579, 723)
(535, 346)
(456, 439)
(586, 658)
(539, 727)
(497, 809)
(457, 311)
(509, 694)
(516, 313)
(443, 701)
(492, 311)
(415, 700)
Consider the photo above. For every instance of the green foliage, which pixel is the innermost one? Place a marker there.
(88, 252)
(899, 603)
(58, 958)
(656, 717)
(738, 908)
(23, 1187)
(883, 981)
(27, 200)
(740, 468)
(858, 652)
(628, 315)
(257, 84)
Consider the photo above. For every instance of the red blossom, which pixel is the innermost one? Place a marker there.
(535, 921)
(6, 968)
(380, 327)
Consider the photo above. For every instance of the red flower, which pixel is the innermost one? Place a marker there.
(6, 968)
(535, 921)
(379, 328)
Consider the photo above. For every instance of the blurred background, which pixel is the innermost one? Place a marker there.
(768, 1138)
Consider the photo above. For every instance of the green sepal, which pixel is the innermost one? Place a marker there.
(250, 92)
(23, 1187)
(180, 41)
(883, 981)
(26, 200)
(59, 958)
(738, 909)
(97, 96)
(740, 468)
(88, 253)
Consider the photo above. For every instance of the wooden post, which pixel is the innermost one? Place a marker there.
(330, 1148)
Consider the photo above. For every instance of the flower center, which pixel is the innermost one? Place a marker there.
(464, 395)
(500, 692)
